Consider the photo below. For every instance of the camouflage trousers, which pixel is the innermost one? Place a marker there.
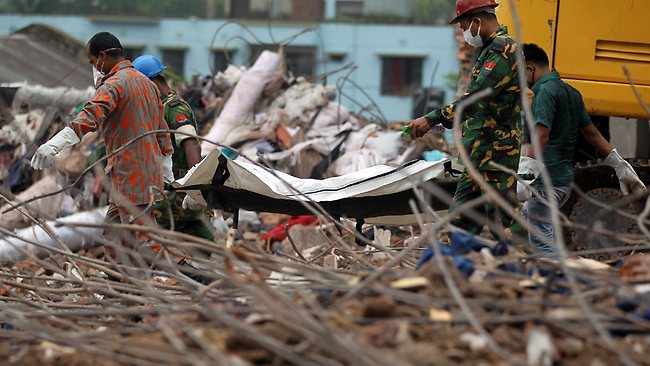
(190, 227)
(195, 228)
(501, 225)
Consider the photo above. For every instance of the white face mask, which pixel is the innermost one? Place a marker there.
(98, 75)
(473, 40)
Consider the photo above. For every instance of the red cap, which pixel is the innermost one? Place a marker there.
(465, 7)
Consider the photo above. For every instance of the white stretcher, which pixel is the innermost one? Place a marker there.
(378, 195)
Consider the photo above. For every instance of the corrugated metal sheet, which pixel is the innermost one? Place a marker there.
(25, 60)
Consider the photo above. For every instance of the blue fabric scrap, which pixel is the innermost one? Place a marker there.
(462, 263)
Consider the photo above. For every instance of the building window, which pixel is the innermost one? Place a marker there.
(278, 9)
(301, 60)
(131, 53)
(337, 57)
(221, 59)
(174, 59)
(400, 75)
(349, 8)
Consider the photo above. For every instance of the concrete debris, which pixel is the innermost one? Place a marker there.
(540, 350)
(274, 289)
(475, 341)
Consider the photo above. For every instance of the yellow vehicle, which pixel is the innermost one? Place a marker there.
(588, 43)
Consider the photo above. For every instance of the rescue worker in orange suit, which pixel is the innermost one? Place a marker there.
(126, 106)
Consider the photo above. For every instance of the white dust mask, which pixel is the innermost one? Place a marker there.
(97, 76)
(473, 40)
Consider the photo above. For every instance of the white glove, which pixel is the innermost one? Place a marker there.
(627, 177)
(168, 174)
(190, 203)
(530, 167)
(46, 152)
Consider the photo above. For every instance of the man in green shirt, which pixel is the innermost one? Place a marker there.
(559, 112)
(491, 127)
(187, 151)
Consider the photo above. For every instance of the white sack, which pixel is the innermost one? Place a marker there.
(74, 238)
(49, 206)
(62, 98)
(240, 105)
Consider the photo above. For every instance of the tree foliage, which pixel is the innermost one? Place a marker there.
(423, 11)
(153, 8)
(432, 11)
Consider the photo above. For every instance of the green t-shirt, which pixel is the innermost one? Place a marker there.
(559, 107)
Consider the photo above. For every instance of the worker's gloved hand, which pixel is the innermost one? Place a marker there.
(190, 203)
(168, 174)
(46, 152)
(627, 177)
(529, 170)
(417, 128)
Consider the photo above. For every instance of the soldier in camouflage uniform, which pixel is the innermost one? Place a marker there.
(491, 127)
(187, 152)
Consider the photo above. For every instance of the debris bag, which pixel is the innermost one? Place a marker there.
(62, 98)
(331, 120)
(48, 206)
(264, 128)
(23, 128)
(367, 148)
(13, 249)
(239, 106)
(303, 98)
(223, 81)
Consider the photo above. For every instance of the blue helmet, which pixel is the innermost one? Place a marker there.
(148, 65)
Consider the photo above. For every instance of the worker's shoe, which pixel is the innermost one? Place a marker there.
(199, 275)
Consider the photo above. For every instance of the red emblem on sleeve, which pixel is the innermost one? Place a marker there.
(490, 65)
(181, 118)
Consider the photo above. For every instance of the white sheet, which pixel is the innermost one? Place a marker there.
(375, 181)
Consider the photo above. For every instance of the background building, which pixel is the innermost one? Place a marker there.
(394, 56)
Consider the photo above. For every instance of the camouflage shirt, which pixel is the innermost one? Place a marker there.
(178, 115)
(491, 129)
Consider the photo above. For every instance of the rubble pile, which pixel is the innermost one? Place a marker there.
(280, 289)
(340, 305)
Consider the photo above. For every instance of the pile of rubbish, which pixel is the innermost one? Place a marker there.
(320, 299)
(286, 123)
(287, 289)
